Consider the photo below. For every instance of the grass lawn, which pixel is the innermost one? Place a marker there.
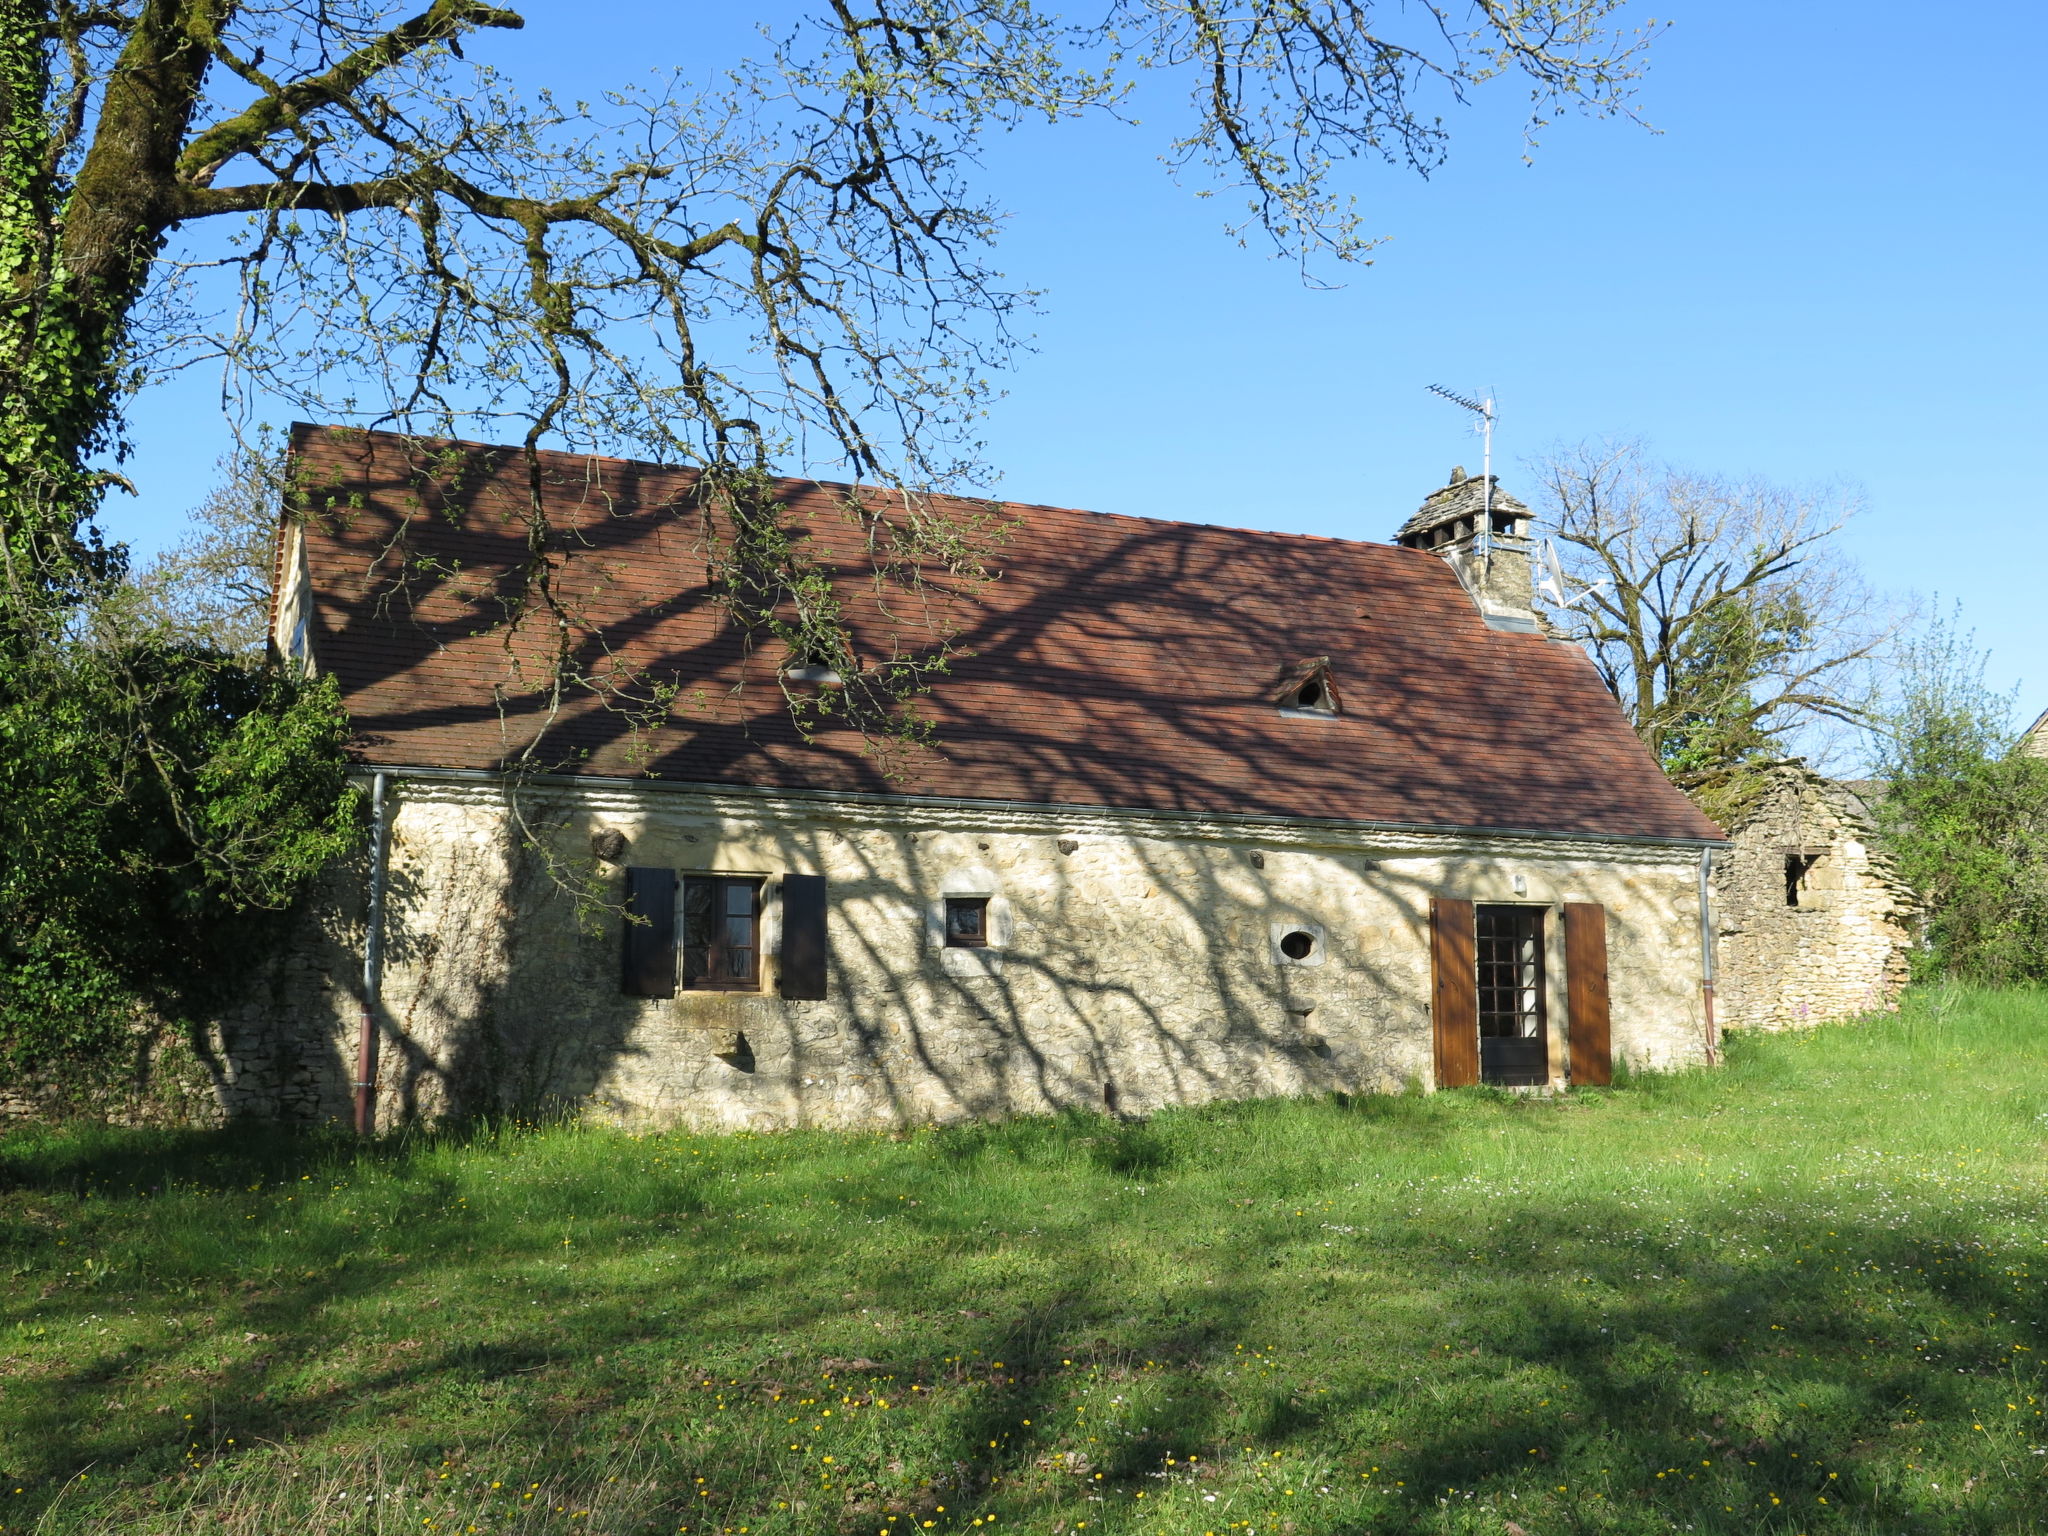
(1801, 1294)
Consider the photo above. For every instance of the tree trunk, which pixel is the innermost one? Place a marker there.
(76, 263)
(31, 389)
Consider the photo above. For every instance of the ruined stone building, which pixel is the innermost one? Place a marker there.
(2033, 741)
(1206, 813)
(1814, 921)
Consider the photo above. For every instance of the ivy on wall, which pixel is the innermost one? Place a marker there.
(160, 811)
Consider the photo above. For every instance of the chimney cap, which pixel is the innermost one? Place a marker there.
(1464, 497)
(1457, 474)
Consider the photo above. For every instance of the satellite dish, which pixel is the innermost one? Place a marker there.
(1551, 584)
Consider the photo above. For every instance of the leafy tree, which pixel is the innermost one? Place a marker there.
(785, 262)
(213, 588)
(1965, 813)
(160, 807)
(1720, 611)
(782, 264)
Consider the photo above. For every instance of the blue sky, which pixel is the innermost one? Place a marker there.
(1826, 266)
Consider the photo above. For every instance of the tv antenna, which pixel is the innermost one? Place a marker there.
(1483, 409)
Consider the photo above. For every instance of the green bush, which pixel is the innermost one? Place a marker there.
(160, 811)
(1974, 844)
(1966, 816)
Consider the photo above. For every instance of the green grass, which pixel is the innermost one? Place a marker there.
(1801, 1294)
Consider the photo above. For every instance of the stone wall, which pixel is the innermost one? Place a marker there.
(1136, 962)
(2033, 741)
(1842, 950)
(159, 1081)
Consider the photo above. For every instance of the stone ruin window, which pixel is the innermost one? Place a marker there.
(1799, 864)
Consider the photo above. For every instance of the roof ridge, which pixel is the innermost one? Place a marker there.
(855, 485)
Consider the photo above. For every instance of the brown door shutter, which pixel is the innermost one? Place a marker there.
(1456, 1009)
(1585, 993)
(648, 968)
(803, 938)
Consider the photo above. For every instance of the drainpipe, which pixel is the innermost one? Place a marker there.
(373, 969)
(1707, 953)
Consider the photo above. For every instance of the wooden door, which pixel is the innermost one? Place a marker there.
(1455, 1008)
(1585, 992)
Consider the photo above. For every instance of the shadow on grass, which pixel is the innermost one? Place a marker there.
(109, 1160)
(1751, 1352)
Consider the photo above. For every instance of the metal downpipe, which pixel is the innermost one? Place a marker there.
(373, 969)
(1707, 953)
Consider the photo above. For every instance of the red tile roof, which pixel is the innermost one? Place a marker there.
(1115, 661)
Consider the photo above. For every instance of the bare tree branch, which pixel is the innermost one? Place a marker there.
(1722, 613)
(283, 105)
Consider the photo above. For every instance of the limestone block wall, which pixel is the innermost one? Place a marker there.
(2034, 741)
(1136, 962)
(1842, 950)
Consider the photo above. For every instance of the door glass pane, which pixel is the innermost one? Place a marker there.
(1510, 958)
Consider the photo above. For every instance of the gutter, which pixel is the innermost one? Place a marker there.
(373, 966)
(961, 803)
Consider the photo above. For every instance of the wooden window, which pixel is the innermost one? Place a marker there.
(721, 933)
(966, 922)
(1513, 1049)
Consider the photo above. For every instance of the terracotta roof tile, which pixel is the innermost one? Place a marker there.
(1114, 661)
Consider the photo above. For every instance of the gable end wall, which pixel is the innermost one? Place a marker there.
(1843, 950)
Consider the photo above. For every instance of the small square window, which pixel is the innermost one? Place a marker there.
(966, 922)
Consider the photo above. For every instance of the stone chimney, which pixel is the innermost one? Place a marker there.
(1501, 581)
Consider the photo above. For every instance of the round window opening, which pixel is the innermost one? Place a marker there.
(1310, 695)
(1298, 945)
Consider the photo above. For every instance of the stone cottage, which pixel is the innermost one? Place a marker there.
(1814, 921)
(1206, 813)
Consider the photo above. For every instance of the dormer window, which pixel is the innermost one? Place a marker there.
(812, 675)
(1306, 688)
(813, 667)
(1313, 694)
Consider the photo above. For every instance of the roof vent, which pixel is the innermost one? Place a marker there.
(812, 675)
(1307, 688)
